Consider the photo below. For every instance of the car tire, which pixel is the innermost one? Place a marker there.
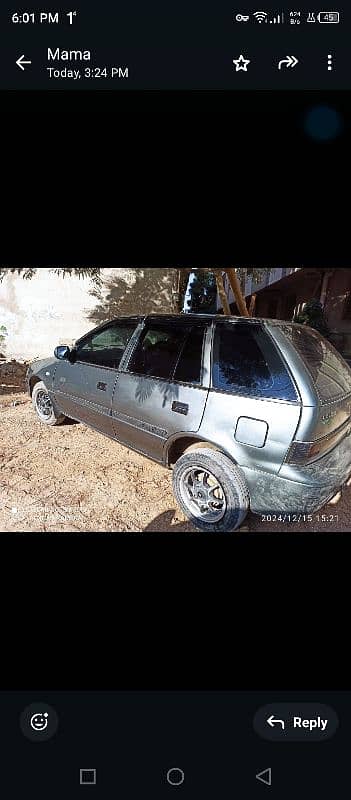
(44, 407)
(211, 508)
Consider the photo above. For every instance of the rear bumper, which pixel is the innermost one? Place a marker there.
(331, 470)
(303, 489)
(272, 494)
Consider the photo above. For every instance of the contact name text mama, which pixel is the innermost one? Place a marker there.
(68, 55)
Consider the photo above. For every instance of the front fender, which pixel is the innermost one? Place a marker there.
(43, 370)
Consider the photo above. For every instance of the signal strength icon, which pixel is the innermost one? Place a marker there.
(277, 20)
(260, 16)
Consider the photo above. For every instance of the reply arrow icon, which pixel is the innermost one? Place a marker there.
(289, 61)
(21, 61)
(272, 722)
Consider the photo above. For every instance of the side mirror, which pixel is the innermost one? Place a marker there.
(62, 352)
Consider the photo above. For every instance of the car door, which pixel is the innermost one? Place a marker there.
(164, 387)
(83, 386)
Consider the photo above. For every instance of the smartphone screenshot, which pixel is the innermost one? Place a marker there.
(175, 401)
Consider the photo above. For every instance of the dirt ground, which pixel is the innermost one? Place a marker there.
(71, 479)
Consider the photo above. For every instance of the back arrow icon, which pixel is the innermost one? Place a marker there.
(289, 61)
(20, 62)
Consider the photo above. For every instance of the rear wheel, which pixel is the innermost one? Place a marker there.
(211, 490)
(43, 406)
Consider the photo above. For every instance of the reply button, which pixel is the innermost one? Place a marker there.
(299, 722)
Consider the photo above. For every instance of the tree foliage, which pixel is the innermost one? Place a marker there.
(205, 274)
(81, 272)
(203, 293)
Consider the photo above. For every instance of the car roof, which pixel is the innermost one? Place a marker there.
(137, 318)
(193, 317)
(218, 317)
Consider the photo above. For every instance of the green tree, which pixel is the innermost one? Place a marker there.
(203, 293)
(236, 276)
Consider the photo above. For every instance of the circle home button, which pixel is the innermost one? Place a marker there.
(175, 776)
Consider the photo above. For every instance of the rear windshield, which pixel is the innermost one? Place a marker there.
(246, 361)
(329, 372)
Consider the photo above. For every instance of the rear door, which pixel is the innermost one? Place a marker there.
(164, 388)
(253, 407)
(84, 389)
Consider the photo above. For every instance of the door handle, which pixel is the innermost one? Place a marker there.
(102, 386)
(180, 408)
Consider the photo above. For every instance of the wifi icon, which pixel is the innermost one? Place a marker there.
(260, 16)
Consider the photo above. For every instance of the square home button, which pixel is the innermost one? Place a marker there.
(88, 777)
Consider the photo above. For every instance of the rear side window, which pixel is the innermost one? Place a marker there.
(246, 362)
(171, 352)
(329, 372)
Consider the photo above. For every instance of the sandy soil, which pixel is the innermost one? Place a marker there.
(70, 478)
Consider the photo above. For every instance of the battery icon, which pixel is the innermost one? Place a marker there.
(328, 16)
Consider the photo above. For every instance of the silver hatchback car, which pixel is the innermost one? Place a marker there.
(249, 413)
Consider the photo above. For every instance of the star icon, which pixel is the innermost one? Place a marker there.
(241, 63)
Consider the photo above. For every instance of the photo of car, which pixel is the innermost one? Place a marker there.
(249, 413)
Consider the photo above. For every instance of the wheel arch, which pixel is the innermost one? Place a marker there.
(179, 445)
(32, 381)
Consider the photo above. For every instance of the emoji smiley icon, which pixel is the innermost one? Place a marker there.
(39, 722)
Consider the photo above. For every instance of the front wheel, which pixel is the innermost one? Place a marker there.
(43, 406)
(211, 490)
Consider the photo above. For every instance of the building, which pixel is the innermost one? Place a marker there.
(282, 293)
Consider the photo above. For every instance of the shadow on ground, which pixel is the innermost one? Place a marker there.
(164, 524)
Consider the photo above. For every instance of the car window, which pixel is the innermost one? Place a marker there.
(245, 361)
(189, 364)
(171, 352)
(106, 347)
(329, 372)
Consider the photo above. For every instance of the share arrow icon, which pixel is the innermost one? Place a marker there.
(289, 61)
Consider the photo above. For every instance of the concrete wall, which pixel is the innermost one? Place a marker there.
(49, 310)
(42, 312)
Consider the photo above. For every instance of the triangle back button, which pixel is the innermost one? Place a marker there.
(265, 776)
